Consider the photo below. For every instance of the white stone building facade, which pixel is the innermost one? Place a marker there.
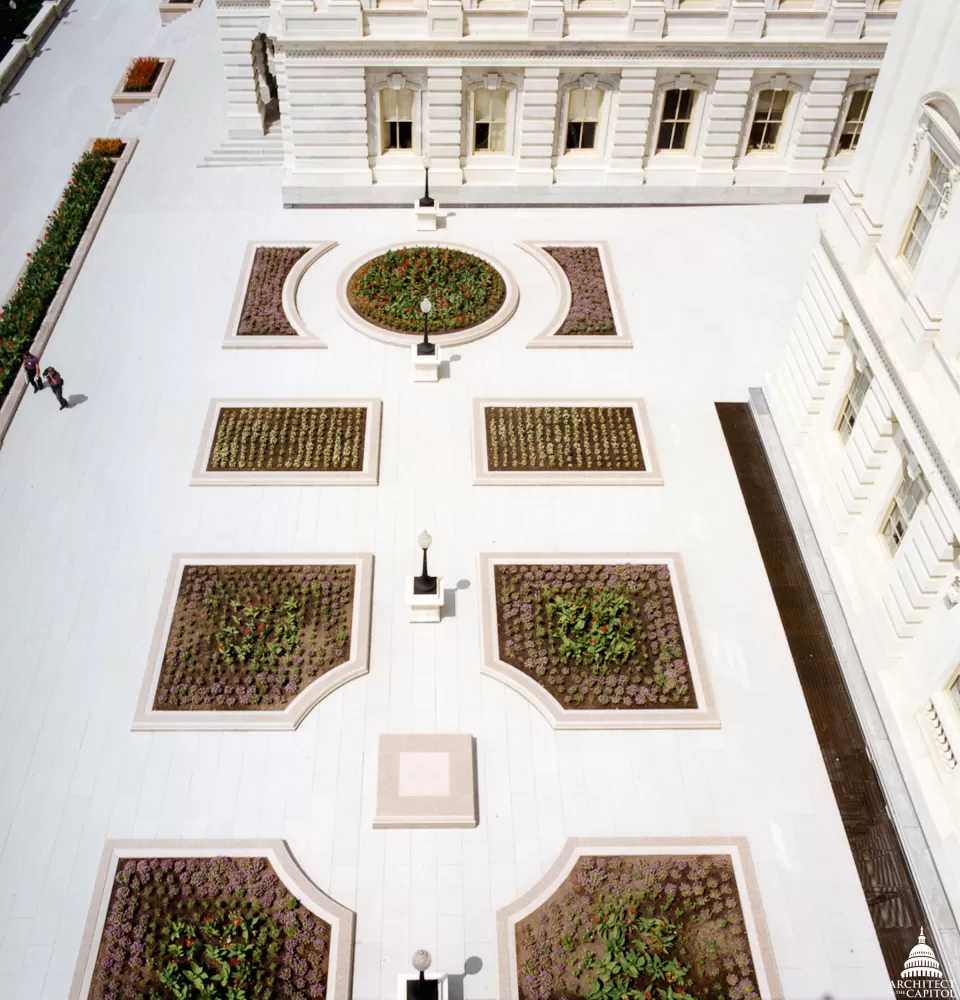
(867, 406)
(555, 101)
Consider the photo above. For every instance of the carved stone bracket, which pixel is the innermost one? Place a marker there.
(952, 182)
(922, 129)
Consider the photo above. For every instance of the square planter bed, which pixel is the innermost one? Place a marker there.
(143, 80)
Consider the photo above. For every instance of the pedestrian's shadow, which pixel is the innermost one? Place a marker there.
(455, 980)
(76, 399)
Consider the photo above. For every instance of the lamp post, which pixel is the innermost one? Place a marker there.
(422, 989)
(426, 201)
(425, 347)
(424, 583)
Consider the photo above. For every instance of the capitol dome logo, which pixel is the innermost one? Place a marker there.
(921, 976)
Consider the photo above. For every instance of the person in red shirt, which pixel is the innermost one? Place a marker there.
(31, 368)
(56, 383)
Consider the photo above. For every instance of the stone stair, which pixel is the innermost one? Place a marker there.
(265, 151)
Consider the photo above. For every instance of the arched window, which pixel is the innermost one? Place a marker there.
(853, 123)
(583, 117)
(675, 119)
(396, 119)
(925, 213)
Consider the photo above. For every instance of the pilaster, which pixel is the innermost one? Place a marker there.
(444, 114)
(631, 125)
(865, 451)
(816, 124)
(537, 126)
(726, 108)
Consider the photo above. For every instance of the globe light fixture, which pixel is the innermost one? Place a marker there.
(422, 989)
(424, 583)
(426, 201)
(425, 347)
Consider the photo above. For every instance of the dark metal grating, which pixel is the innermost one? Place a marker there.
(887, 883)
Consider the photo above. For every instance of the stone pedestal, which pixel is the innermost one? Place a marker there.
(426, 367)
(427, 216)
(402, 981)
(424, 607)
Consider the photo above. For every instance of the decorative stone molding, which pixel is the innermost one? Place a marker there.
(736, 848)
(952, 181)
(497, 320)
(704, 716)
(147, 718)
(548, 337)
(923, 130)
(483, 476)
(305, 338)
(426, 781)
(276, 852)
(939, 736)
(369, 476)
(124, 100)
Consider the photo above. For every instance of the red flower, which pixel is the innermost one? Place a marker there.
(260, 627)
(233, 961)
(603, 628)
(238, 921)
(596, 920)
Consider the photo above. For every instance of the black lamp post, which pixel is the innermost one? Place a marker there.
(424, 583)
(425, 347)
(426, 201)
(422, 989)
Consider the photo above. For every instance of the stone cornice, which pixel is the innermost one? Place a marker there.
(597, 53)
(243, 4)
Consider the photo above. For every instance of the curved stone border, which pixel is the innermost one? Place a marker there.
(304, 338)
(147, 717)
(498, 319)
(736, 848)
(483, 476)
(549, 337)
(277, 853)
(704, 716)
(370, 475)
(124, 100)
(12, 400)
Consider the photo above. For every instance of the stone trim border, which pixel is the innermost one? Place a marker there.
(498, 319)
(276, 852)
(147, 718)
(736, 848)
(171, 11)
(370, 476)
(549, 337)
(22, 51)
(123, 101)
(704, 716)
(304, 337)
(56, 307)
(483, 476)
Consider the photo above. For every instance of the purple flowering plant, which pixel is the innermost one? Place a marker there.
(595, 636)
(208, 929)
(262, 314)
(641, 928)
(590, 313)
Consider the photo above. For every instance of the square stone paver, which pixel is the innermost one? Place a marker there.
(426, 781)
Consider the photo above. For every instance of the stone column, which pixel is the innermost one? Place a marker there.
(537, 125)
(726, 108)
(245, 107)
(816, 122)
(631, 125)
(443, 111)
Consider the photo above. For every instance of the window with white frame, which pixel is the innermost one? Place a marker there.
(583, 119)
(675, 119)
(768, 119)
(396, 119)
(490, 121)
(853, 123)
(910, 494)
(925, 213)
(852, 401)
(954, 690)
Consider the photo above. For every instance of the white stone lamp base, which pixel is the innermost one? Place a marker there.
(425, 781)
(427, 216)
(426, 367)
(424, 607)
(402, 981)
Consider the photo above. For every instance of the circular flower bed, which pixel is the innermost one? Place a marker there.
(463, 289)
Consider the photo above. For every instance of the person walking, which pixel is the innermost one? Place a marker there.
(56, 383)
(31, 368)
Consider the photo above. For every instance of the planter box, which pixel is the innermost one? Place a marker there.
(12, 63)
(171, 11)
(123, 100)
(12, 400)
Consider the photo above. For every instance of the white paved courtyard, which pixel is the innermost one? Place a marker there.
(95, 501)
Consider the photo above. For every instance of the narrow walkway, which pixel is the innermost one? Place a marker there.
(887, 883)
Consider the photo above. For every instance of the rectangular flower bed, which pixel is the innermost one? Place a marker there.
(143, 80)
(265, 311)
(290, 442)
(588, 310)
(255, 642)
(640, 918)
(214, 919)
(541, 442)
(595, 641)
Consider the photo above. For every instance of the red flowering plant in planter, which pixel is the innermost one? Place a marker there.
(142, 74)
(108, 147)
